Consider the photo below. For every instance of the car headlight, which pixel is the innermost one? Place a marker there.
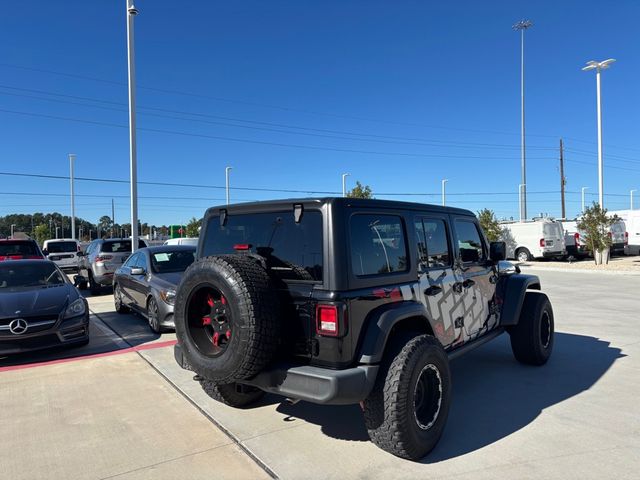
(168, 296)
(75, 308)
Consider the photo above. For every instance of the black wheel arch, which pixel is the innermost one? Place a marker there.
(510, 292)
(384, 323)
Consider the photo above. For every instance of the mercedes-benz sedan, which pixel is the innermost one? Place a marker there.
(39, 307)
(147, 281)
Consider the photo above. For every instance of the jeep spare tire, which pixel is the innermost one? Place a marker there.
(227, 317)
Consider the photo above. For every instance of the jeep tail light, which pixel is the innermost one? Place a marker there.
(327, 320)
(626, 238)
(542, 242)
(103, 258)
(576, 236)
(242, 246)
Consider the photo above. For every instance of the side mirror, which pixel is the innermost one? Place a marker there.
(45, 252)
(79, 254)
(137, 271)
(498, 251)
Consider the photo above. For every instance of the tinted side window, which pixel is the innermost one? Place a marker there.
(131, 261)
(470, 245)
(437, 253)
(378, 244)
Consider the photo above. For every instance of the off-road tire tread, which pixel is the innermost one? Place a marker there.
(386, 411)
(259, 299)
(523, 335)
(227, 394)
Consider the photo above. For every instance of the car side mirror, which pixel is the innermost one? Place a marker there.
(45, 252)
(137, 271)
(80, 254)
(497, 251)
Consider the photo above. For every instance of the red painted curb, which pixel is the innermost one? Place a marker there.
(148, 346)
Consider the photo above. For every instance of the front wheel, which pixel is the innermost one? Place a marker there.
(153, 315)
(523, 255)
(532, 337)
(406, 412)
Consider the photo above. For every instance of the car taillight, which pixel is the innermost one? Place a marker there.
(626, 238)
(103, 258)
(576, 236)
(542, 242)
(242, 246)
(327, 320)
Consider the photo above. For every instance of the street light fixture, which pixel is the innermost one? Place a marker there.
(444, 194)
(597, 66)
(583, 189)
(522, 26)
(226, 175)
(344, 184)
(631, 194)
(132, 11)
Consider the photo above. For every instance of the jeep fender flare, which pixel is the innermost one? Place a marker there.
(511, 291)
(379, 327)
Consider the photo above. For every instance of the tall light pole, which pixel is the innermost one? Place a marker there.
(344, 184)
(131, 13)
(72, 158)
(583, 189)
(57, 228)
(631, 194)
(13, 225)
(520, 187)
(521, 26)
(226, 176)
(591, 65)
(444, 192)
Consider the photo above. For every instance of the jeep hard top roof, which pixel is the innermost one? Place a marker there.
(285, 204)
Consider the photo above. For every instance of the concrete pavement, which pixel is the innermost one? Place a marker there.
(138, 415)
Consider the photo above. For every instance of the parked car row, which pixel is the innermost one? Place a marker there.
(558, 239)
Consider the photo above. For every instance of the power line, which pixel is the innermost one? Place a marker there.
(257, 142)
(326, 133)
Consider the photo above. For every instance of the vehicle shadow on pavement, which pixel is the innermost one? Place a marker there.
(495, 396)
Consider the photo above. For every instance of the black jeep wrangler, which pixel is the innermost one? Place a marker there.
(340, 301)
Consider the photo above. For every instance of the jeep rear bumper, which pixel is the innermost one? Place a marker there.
(313, 384)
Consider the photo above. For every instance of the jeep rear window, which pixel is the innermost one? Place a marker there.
(378, 245)
(293, 251)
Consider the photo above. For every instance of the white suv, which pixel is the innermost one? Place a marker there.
(63, 252)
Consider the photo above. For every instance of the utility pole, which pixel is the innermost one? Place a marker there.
(226, 177)
(113, 217)
(72, 158)
(344, 184)
(521, 26)
(563, 181)
(444, 192)
(132, 11)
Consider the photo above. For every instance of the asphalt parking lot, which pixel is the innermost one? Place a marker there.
(121, 408)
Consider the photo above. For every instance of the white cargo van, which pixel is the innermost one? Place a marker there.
(182, 241)
(63, 252)
(574, 239)
(631, 220)
(541, 238)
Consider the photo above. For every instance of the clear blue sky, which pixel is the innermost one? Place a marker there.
(434, 86)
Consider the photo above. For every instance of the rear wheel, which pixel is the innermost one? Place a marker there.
(93, 286)
(532, 337)
(523, 255)
(118, 299)
(406, 412)
(153, 315)
(232, 394)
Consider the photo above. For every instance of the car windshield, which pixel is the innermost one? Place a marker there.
(172, 261)
(17, 248)
(18, 275)
(62, 247)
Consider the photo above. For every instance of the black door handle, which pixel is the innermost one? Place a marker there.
(433, 290)
(468, 283)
